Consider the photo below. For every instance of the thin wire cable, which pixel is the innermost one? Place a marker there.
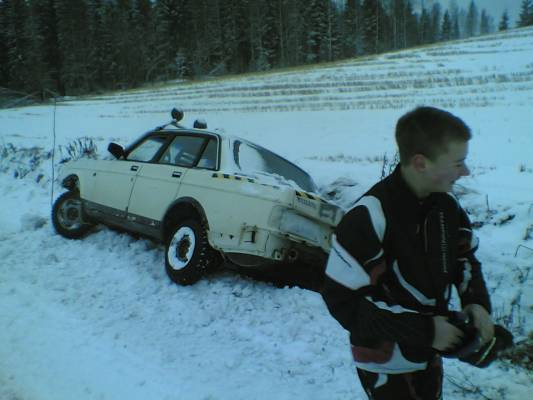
(53, 153)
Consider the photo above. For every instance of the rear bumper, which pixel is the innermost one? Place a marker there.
(275, 249)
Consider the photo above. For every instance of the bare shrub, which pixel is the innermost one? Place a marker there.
(22, 161)
(521, 354)
(529, 232)
(83, 147)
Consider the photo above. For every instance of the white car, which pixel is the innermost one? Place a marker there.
(209, 197)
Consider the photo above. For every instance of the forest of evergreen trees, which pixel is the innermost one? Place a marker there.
(70, 47)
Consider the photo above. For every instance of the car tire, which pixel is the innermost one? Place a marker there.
(188, 255)
(67, 216)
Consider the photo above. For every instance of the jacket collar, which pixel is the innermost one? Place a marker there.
(401, 188)
(404, 200)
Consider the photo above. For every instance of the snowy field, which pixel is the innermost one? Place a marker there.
(98, 319)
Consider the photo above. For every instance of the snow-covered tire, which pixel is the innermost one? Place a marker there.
(67, 216)
(188, 255)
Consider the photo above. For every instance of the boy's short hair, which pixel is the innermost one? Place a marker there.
(427, 131)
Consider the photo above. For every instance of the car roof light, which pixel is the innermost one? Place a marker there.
(200, 123)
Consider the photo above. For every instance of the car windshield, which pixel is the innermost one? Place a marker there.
(252, 158)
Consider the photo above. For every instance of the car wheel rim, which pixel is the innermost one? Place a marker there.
(69, 214)
(181, 248)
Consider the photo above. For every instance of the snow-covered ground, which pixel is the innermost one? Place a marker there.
(99, 319)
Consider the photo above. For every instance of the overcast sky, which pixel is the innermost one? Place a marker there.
(495, 8)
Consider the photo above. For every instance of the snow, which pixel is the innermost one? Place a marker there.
(99, 319)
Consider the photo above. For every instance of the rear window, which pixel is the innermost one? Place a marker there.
(251, 158)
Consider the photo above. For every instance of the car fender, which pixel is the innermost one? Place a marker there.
(180, 209)
(77, 175)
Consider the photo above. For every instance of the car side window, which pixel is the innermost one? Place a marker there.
(209, 156)
(183, 151)
(147, 150)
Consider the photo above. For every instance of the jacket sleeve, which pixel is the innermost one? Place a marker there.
(469, 279)
(353, 291)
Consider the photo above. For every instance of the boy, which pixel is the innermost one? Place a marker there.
(394, 257)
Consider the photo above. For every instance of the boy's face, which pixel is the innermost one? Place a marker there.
(447, 168)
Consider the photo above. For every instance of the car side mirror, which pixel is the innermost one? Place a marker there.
(116, 149)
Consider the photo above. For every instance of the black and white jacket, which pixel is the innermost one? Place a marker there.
(392, 263)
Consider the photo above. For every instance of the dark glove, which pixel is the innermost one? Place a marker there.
(471, 342)
(503, 339)
(470, 350)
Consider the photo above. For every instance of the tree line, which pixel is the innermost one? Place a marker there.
(71, 47)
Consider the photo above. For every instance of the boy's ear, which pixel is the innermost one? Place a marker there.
(419, 162)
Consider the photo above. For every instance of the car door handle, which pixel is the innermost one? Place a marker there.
(134, 168)
(176, 174)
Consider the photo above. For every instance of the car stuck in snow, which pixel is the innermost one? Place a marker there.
(209, 197)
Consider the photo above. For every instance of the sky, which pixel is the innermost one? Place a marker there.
(494, 7)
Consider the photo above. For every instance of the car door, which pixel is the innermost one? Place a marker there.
(157, 184)
(113, 181)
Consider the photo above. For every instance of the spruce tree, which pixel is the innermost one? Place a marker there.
(270, 38)
(471, 24)
(208, 55)
(259, 57)
(484, 24)
(4, 70)
(399, 24)
(504, 22)
(131, 39)
(297, 27)
(72, 31)
(285, 28)
(435, 23)
(109, 69)
(43, 59)
(235, 32)
(425, 27)
(96, 44)
(446, 29)
(37, 73)
(244, 54)
(370, 26)
(16, 42)
(526, 13)
(330, 44)
(317, 25)
(412, 27)
(142, 35)
(351, 28)
(170, 22)
(200, 55)
(385, 27)
(454, 18)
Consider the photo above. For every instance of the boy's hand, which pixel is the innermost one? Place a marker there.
(482, 321)
(447, 336)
